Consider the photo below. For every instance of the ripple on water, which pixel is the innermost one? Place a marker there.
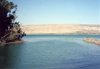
(51, 52)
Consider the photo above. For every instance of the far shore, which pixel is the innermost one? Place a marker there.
(62, 34)
(66, 29)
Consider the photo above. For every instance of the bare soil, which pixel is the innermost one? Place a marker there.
(16, 42)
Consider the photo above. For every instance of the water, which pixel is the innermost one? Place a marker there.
(51, 52)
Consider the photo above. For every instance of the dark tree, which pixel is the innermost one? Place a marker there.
(9, 30)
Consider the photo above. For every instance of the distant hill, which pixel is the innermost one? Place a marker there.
(62, 29)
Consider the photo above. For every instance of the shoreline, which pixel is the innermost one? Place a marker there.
(92, 40)
(62, 34)
(15, 42)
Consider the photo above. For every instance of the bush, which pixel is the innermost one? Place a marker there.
(87, 37)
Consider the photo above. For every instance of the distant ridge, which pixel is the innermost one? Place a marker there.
(62, 29)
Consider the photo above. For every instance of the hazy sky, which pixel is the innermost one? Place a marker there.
(58, 11)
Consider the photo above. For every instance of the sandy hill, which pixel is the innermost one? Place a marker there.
(62, 29)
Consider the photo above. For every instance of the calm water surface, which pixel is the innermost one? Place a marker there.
(51, 52)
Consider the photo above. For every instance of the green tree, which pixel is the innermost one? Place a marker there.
(9, 28)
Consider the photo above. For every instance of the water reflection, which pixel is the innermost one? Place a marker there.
(2, 64)
(9, 55)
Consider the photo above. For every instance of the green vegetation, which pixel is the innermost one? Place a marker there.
(88, 42)
(0, 41)
(70, 38)
(87, 37)
(9, 30)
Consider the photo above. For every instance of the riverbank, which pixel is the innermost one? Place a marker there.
(14, 42)
(92, 40)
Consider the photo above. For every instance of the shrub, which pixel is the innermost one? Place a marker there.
(87, 37)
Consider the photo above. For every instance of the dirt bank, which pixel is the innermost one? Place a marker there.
(92, 40)
(14, 42)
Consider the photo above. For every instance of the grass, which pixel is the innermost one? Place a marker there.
(87, 37)
(70, 38)
(88, 42)
(0, 41)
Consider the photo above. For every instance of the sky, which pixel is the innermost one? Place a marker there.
(35, 12)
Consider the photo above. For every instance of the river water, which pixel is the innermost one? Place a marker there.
(51, 52)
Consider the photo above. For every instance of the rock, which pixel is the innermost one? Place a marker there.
(92, 40)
